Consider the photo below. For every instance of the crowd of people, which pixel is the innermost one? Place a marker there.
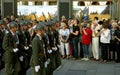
(41, 45)
(98, 40)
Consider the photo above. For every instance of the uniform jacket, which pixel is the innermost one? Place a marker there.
(37, 51)
(9, 43)
(1, 40)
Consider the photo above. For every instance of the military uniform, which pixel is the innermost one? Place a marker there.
(12, 64)
(53, 48)
(38, 55)
(23, 48)
(52, 55)
(57, 53)
(28, 37)
(3, 31)
(1, 50)
(55, 34)
(46, 48)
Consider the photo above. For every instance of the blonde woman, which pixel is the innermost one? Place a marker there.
(64, 36)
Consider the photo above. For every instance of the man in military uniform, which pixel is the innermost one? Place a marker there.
(46, 41)
(51, 45)
(10, 45)
(3, 31)
(38, 54)
(49, 59)
(28, 37)
(23, 49)
(57, 42)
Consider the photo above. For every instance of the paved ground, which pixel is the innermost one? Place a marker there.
(79, 67)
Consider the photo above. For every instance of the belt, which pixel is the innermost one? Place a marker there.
(41, 54)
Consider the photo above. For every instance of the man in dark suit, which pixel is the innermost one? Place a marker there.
(10, 43)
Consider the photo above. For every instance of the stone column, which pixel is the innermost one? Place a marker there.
(115, 7)
(65, 8)
(15, 8)
(9, 7)
(118, 9)
(110, 10)
(45, 3)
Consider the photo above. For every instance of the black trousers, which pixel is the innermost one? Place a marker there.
(118, 51)
(104, 51)
(112, 50)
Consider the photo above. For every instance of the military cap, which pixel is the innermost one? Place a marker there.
(46, 24)
(51, 23)
(42, 23)
(55, 20)
(39, 27)
(26, 23)
(29, 22)
(13, 24)
(1, 22)
(22, 23)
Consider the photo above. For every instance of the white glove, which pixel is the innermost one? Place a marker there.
(21, 58)
(54, 48)
(15, 50)
(49, 51)
(30, 45)
(46, 64)
(48, 61)
(26, 47)
(37, 68)
(17, 42)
